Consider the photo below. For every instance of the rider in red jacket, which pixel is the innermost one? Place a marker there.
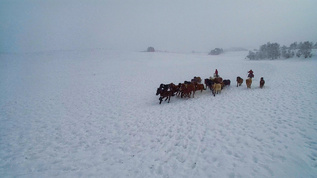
(251, 75)
(216, 73)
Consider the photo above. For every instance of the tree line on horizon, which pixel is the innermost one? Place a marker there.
(275, 51)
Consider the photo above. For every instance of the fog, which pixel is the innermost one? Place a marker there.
(178, 25)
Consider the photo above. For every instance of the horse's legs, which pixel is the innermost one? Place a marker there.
(185, 94)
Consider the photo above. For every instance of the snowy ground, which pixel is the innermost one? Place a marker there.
(95, 114)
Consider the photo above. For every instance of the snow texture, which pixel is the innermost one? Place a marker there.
(94, 113)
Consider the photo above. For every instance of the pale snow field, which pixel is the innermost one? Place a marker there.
(94, 113)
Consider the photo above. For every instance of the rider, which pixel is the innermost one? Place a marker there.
(251, 75)
(216, 73)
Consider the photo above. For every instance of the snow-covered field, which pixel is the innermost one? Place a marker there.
(94, 113)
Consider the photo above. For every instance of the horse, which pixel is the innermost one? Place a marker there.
(200, 87)
(209, 83)
(218, 80)
(262, 82)
(164, 93)
(187, 89)
(248, 82)
(217, 88)
(174, 88)
(239, 81)
(226, 82)
(196, 80)
(171, 86)
(164, 86)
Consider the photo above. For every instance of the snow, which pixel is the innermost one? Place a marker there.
(94, 113)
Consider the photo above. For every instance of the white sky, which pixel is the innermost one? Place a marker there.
(173, 25)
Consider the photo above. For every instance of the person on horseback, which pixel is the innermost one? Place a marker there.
(251, 75)
(216, 73)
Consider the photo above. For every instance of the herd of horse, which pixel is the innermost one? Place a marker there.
(188, 88)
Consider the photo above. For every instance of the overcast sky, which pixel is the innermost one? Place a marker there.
(172, 25)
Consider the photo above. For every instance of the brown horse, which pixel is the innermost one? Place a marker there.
(200, 87)
(239, 81)
(187, 89)
(174, 88)
(196, 80)
(218, 80)
(248, 82)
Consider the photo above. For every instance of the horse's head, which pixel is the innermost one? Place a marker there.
(158, 91)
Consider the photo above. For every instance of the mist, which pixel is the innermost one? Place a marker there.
(180, 26)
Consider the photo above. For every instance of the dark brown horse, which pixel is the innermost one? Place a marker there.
(226, 82)
(262, 82)
(209, 83)
(239, 81)
(164, 93)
